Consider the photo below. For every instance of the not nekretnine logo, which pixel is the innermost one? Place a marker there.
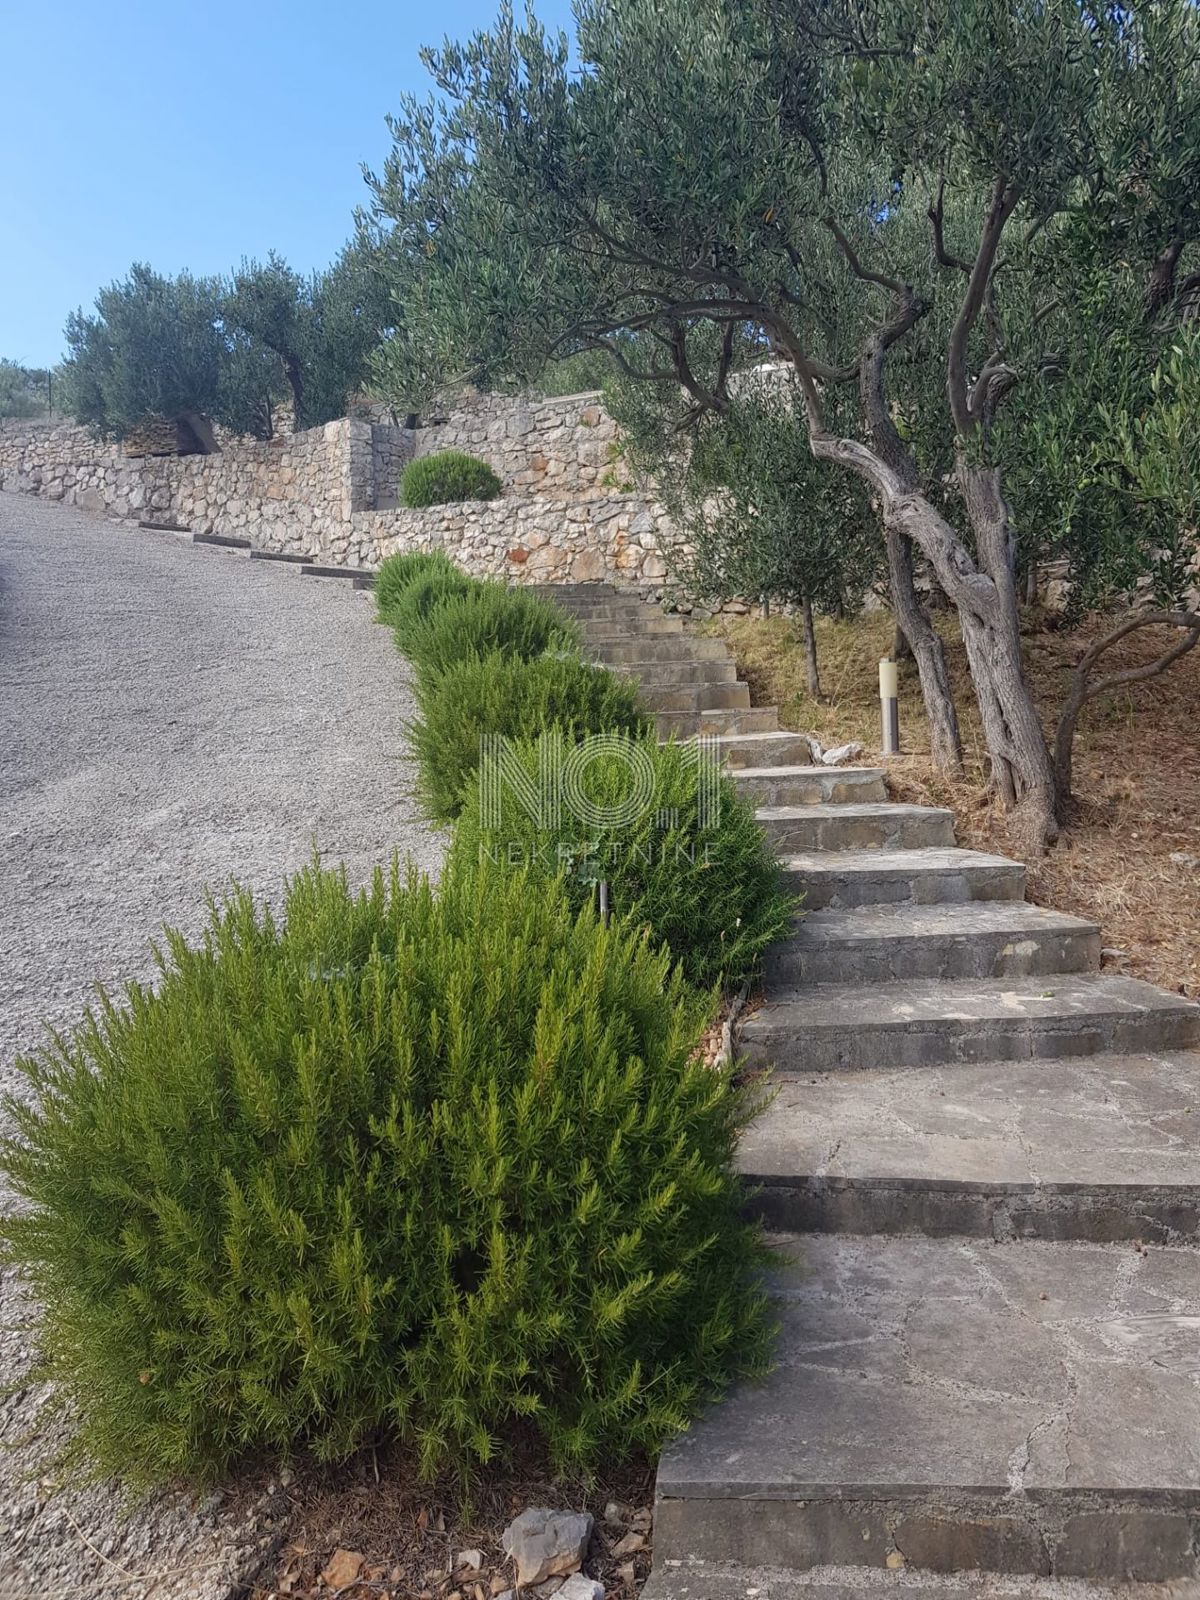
(607, 823)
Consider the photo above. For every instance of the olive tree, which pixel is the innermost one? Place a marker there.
(756, 517)
(153, 348)
(705, 161)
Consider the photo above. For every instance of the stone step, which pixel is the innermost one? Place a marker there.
(626, 650)
(932, 1022)
(716, 670)
(288, 556)
(687, 724)
(723, 1580)
(808, 785)
(884, 944)
(882, 826)
(227, 541)
(695, 696)
(766, 750)
(616, 612)
(844, 878)
(594, 590)
(1102, 1148)
(314, 569)
(958, 1406)
(652, 624)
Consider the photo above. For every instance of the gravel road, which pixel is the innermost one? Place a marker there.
(171, 715)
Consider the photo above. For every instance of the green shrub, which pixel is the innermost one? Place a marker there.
(499, 694)
(424, 594)
(397, 572)
(488, 618)
(445, 477)
(691, 865)
(431, 1162)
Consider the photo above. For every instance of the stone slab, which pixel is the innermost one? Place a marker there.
(711, 1580)
(683, 671)
(868, 826)
(733, 696)
(313, 569)
(226, 541)
(766, 749)
(1105, 1148)
(288, 556)
(1030, 1406)
(839, 879)
(980, 939)
(927, 1022)
(669, 647)
(782, 786)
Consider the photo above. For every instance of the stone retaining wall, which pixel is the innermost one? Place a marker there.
(531, 538)
(565, 447)
(331, 492)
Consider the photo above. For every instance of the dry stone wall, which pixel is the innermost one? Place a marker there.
(332, 492)
(565, 447)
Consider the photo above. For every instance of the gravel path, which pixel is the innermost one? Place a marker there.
(170, 715)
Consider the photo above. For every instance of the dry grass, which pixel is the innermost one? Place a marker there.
(1137, 772)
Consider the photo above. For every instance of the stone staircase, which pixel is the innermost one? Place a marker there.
(982, 1170)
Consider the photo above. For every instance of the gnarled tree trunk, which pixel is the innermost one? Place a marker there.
(922, 639)
(985, 598)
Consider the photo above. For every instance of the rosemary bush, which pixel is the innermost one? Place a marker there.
(440, 1163)
(691, 866)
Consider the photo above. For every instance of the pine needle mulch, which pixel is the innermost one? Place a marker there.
(1130, 859)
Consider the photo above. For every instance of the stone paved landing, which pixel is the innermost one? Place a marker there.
(1022, 1407)
(1102, 1148)
(709, 1580)
(927, 1022)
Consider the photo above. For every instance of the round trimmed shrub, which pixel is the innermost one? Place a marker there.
(445, 477)
(502, 695)
(489, 617)
(433, 1162)
(424, 594)
(683, 860)
(396, 573)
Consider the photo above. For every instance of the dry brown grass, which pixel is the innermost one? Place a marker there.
(1137, 772)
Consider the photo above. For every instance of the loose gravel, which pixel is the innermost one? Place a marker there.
(171, 716)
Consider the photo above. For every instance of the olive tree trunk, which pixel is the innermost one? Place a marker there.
(925, 646)
(812, 670)
(984, 593)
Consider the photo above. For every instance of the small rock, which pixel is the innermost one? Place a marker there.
(342, 1568)
(629, 1545)
(642, 1520)
(894, 1560)
(580, 1587)
(1181, 858)
(627, 1574)
(840, 753)
(472, 1559)
(545, 1544)
(616, 1513)
(499, 1583)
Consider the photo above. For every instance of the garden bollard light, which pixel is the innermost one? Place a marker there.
(889, 690)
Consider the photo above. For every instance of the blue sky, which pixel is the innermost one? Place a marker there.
(190, 135)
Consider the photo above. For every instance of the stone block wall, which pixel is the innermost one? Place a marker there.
(331, 492)
(563, 447)
(617, 538)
